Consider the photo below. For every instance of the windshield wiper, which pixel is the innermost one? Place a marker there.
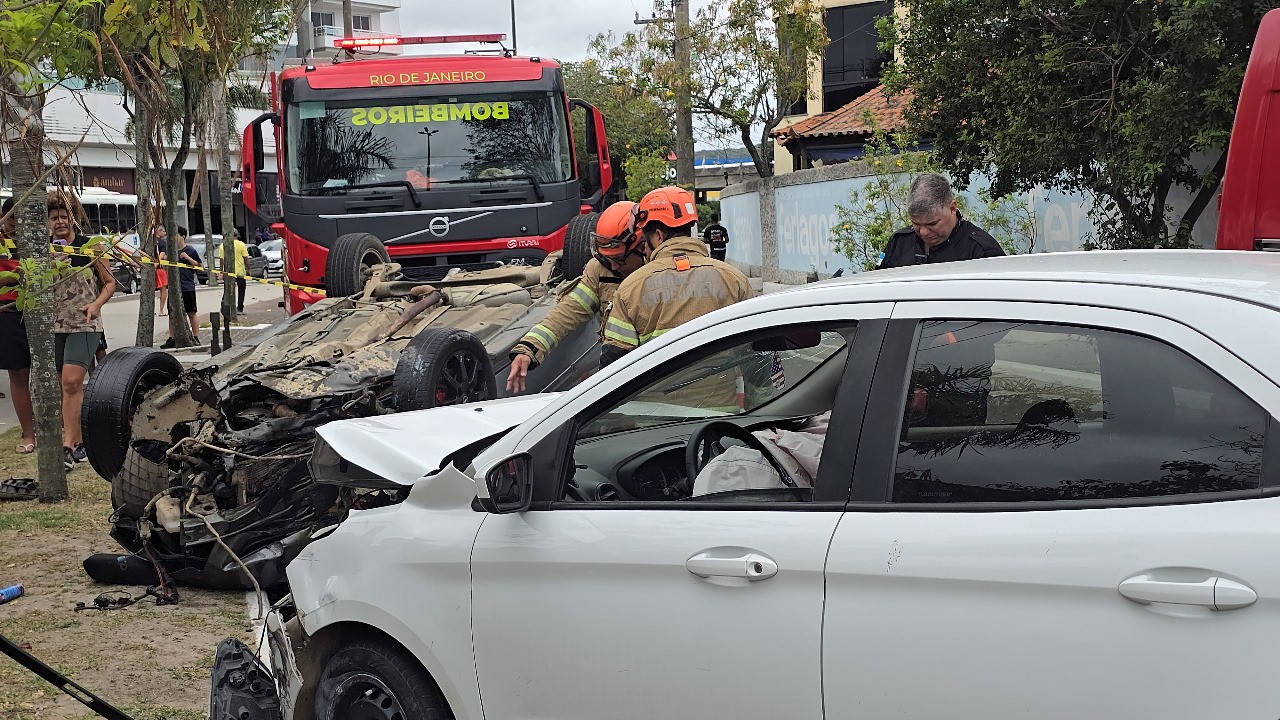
(413, 192)
(537, 185)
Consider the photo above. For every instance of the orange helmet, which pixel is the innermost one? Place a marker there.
(613, 239)
(670, 206)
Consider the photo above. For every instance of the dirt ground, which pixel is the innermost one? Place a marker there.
(150, 661)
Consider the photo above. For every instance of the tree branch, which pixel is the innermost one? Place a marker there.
(1202, 198)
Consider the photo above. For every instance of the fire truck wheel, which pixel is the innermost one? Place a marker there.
(349, 259)
(442, 366)
(116, 388)
(577, 244)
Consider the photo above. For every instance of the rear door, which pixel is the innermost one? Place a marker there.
(1067, 513)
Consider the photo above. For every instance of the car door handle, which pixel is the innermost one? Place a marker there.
(752, 566)
(1213, 592)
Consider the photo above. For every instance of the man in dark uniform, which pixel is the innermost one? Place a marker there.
(938, 233)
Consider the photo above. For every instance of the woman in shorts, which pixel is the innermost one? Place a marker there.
(78, 298)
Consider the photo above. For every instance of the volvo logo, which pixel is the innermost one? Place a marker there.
(439, 225)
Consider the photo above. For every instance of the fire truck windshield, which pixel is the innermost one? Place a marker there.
(427, 141)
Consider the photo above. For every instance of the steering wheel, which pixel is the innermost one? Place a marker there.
(707, 438)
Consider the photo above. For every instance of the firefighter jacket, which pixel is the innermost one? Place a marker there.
(579, 301)
(678, 284)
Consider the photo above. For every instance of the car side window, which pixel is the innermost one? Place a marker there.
(1007, 412)
(761, 393)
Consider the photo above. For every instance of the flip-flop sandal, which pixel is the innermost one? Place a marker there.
(19, 489)
(25, 448)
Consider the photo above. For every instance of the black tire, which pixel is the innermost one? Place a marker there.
(442, 366)
(372, 679)
(577, 245)
(350, 256)
(139, 480)
(116, 387)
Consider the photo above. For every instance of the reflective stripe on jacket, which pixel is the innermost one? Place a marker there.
(678, 284)
(579, 301)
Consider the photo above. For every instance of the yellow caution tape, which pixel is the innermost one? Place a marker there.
(143, 259)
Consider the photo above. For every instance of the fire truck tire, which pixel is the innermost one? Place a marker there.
(349, 258)
(116, 388)
(139, 481)
(577, 244)
(442, 366)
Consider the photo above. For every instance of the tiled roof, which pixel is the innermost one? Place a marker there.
(850, 119)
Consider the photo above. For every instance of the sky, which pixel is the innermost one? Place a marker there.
(556, 29)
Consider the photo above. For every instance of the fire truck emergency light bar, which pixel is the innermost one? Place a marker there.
(349, 43)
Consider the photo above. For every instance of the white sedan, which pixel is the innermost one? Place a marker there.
(1052, 491)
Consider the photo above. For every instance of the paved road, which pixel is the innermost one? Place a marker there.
(120, 321)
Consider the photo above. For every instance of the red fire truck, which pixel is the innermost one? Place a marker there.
(1249, 211)
(433, 162)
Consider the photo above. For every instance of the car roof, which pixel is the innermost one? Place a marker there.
(1248, 276)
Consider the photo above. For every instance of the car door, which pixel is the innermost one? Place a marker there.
(630, 598)
(1071, 514)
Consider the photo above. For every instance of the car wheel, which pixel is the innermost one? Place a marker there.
(349, 259)
(577, 244)
(116, 388)
(442, 366)
(376, 680)
(140, 479)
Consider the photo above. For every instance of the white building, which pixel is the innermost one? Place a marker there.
(96, 120)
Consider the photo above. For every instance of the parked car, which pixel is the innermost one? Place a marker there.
(1053, 493)
(271, 251)
(256, 264)
(154, 428)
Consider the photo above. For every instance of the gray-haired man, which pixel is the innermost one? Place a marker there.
(938, 233)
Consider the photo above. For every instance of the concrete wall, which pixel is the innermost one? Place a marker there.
(780, 227)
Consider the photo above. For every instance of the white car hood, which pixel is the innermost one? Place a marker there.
(404, 447)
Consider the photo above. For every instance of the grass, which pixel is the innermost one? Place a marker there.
(150, 661)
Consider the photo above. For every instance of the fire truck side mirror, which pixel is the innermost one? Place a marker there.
(593, 173)
(259, 154)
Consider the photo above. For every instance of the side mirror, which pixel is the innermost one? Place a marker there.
(259, 153)
(509, 485)
(593, 173)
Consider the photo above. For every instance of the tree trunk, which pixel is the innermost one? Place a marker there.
(218, 123)
(23, 116)
(763, 166)
(1202, 198)
(146, 226)
(202, 180)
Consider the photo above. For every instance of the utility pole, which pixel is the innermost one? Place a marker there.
(513, 27)
(684, 105)
(348, 27)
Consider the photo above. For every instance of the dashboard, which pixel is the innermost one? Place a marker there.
(646, 464)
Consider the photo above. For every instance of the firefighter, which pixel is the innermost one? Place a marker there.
(616, 254)
(679, 283)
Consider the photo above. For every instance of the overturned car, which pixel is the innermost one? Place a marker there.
(209, 466)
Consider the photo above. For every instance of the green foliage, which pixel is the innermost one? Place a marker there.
(638, 120)
(1104, 97)
(879, 209)
(644, 173)
(51, 35)
(240, 95)
(749, 61)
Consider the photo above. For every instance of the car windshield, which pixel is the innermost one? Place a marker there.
(742, 379)
(427, 141)
(271, 246)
